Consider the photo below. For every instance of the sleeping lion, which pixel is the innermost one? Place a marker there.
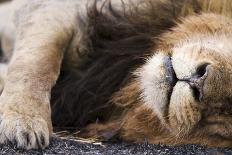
(137, 70)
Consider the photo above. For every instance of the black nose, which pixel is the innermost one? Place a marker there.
(197, 80)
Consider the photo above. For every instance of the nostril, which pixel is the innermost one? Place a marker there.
(197, 80)
(201, 70)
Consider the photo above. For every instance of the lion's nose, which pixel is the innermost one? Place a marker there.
(197, 80)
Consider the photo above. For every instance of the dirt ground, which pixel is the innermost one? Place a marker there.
(69, 147)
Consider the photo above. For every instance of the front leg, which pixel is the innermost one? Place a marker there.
(43, 34)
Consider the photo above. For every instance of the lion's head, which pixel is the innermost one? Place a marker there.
(183, 92)
(188, 82)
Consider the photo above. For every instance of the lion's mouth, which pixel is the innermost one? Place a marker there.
(170, 75)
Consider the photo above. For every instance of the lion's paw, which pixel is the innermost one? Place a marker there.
(27, 132)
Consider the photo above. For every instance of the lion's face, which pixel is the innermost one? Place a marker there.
(190, 87)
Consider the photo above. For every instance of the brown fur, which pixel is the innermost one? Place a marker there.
(139, 123)
(108, 60)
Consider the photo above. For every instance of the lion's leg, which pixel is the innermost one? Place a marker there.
(42, 37)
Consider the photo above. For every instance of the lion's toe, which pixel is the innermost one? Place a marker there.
(24, 131)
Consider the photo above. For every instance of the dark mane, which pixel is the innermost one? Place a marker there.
(116, 42)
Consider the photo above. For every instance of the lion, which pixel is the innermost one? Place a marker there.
(144, 70)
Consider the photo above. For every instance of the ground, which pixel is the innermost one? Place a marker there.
(70, 147)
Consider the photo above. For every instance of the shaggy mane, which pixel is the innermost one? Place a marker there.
(116, 42)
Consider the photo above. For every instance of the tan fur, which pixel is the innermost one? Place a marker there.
(195, 40)
(23, 85)
(45, 32)
(191, 43)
